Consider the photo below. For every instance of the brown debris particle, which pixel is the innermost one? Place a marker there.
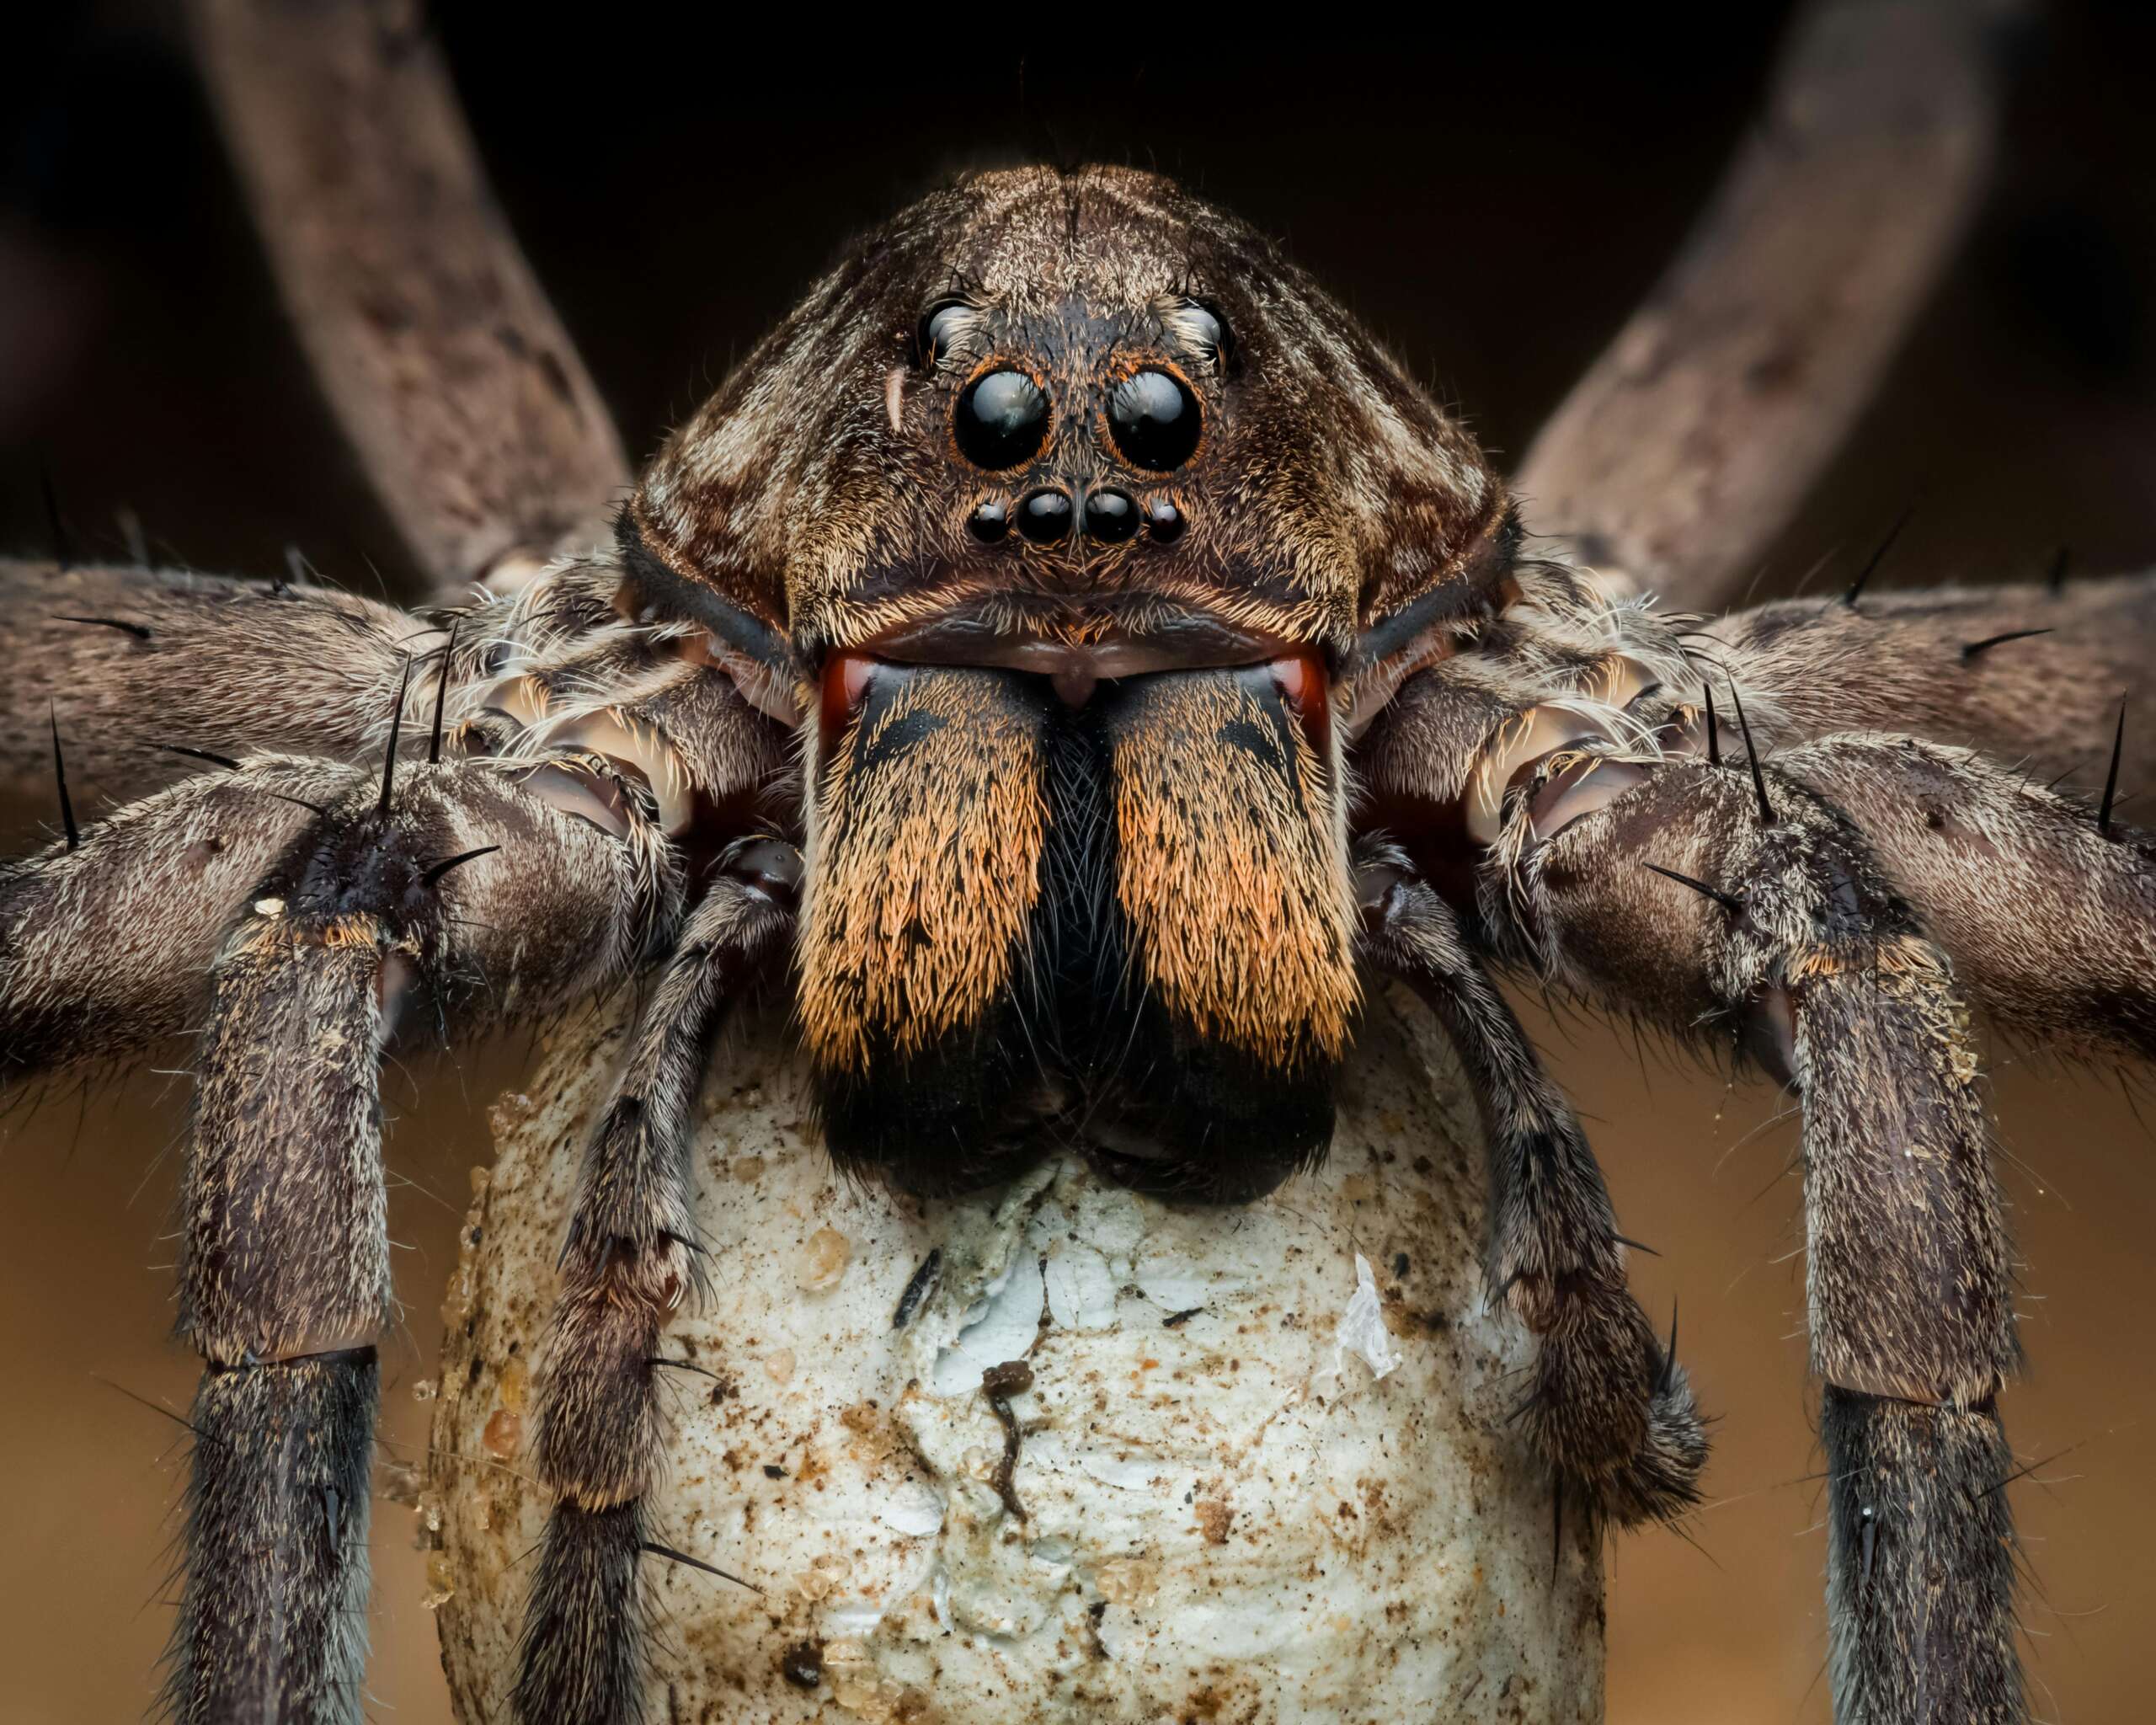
(802, 1664)
(1214, 1517)
(999, 1383)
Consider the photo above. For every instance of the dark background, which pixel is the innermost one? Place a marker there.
(1493, 202)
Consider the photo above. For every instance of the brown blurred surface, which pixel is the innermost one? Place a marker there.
(1494, 211)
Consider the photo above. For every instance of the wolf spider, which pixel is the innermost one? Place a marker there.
(1080, 653)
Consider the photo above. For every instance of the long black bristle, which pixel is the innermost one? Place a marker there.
(1668, 1374)
(1752, 754)
(60, 779)
(215, 760)
(1728, 902)
(1714, 732)
(2055, 580)
(2111, 778)
(434, 870)
(441, 697)
(138, 630)
(1974, 647)
(395, 725)
(1877, 557)
(674, 1557)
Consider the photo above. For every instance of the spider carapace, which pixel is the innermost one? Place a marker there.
(1076, 658)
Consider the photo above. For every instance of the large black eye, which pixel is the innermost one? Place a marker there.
(1154, 419)
(1002, 420)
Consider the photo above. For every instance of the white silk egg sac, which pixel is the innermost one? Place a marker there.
(1122, 1462)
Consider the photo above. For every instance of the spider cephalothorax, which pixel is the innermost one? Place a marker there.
(1073, 657)
(1087, 501)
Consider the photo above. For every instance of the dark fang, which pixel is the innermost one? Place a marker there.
(223, 760)
(136, 630)
(1878, 557)
(2060, 558)
(674, 1556)
(1714, 734)
(1989, 642)
(441, 695)
(2111, 778)
(63, 554)
(434, 870)
(1752, 754)
(1728, 902)
(60, 778)
(396, 724)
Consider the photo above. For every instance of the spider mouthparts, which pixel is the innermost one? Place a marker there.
(1075, 687)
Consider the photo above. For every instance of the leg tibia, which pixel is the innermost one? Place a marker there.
(272, 1625)
(1920, 1564)
(284, 1248)
(1909, 1274)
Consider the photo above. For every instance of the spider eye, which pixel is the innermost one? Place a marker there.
(938, 331)
(1154, 420)
(1203, 327)
(1002, 419)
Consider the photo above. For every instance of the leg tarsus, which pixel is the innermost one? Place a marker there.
(581, 1660)
(277, 1535)
(1920, 1563)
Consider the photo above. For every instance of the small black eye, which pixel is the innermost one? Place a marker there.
(1001, 420)
(1203, 327)
(1154, 419)
(938, 331)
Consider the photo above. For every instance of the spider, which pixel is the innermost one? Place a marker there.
(1075, 657)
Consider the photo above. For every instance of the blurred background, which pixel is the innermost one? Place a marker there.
(1493, 207)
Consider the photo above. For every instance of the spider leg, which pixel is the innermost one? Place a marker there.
(130, 664)
(628, 1260)
(1611, 1409)
(1762, 910)
(483, 889)
(86, 974)
(128, 661)
(2047, 903)
(2030, 674)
